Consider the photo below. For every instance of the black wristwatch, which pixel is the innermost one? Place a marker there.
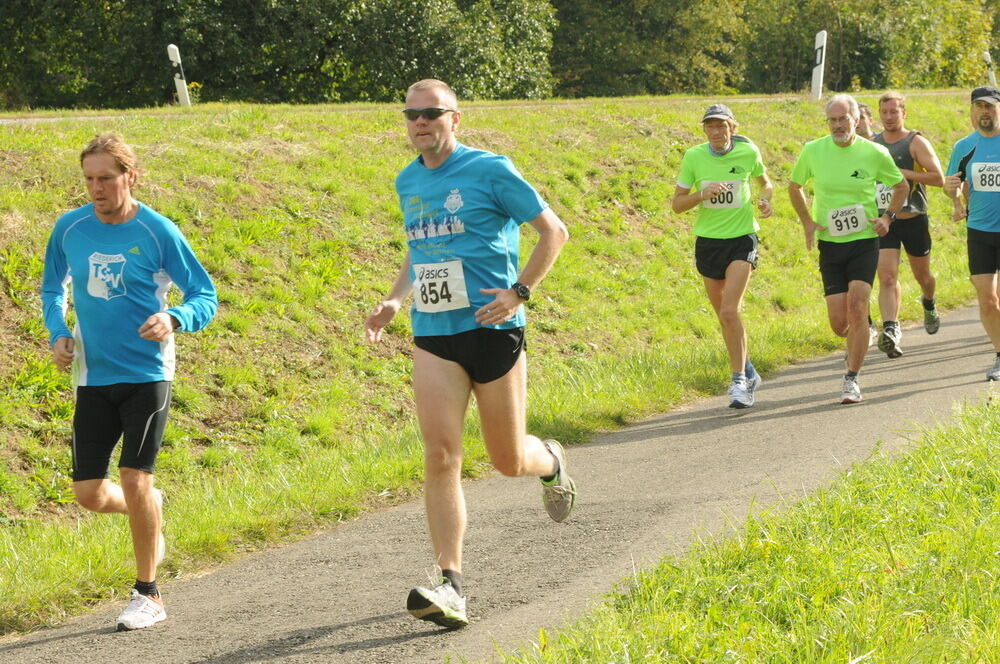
(522, 291)
(891, 215)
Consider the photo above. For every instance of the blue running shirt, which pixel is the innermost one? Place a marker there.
(120, 275)
(978, 158)
(462, 223)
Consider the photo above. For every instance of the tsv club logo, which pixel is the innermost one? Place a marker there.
(105, 275)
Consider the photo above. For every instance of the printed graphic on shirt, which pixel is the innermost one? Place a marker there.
(105, 275)
(427, 222)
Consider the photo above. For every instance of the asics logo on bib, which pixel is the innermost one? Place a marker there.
(428, 273)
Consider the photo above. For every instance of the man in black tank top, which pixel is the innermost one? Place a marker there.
(916, 159)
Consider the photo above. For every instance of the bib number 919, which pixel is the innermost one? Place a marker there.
(846, 220)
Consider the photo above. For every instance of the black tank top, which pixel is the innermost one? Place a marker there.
(916, 200)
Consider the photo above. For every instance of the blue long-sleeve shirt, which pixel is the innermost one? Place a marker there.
(120, 275)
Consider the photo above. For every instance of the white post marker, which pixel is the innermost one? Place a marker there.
(175, 61)
(989, 69)
(817, 82)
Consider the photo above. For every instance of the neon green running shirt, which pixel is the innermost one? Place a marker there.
(731, 213)
(843, 182)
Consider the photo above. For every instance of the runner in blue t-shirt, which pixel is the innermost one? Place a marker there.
(468, 324)
(975, 167)
(120, 258)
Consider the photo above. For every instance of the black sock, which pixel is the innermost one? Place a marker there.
(851, 374)
(870, 321)
(890, 323)
(928, 304)
(147, 588)
(454, 578)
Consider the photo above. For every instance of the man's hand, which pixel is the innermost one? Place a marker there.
(62, 352)
(157, 327)
(503, 306)
(765, 208)
(380, 316)
(881, 225)
(810, 227)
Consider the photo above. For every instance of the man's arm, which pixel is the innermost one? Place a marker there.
(552, 236)
(798, 198)
(766, 192)
(684, 199)
(384, 311)
(923, 154)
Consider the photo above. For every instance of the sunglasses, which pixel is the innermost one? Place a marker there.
(432, 113)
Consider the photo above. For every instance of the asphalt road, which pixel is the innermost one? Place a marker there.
(645, 491)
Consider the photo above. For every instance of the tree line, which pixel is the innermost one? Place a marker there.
(112, 53)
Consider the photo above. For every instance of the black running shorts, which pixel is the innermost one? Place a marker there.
(136, 412)
(984, 251)
(712, 256)
(485, 353)
(913, 234)
(840, 263)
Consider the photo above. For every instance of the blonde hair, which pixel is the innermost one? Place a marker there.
(114, 145)
(889, 96)
(432, 84)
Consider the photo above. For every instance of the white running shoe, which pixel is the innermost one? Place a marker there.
(872, 334)
(754, 383)
(141, 612)
(888, 341)
(440, 605)
(740, 394)
(851, 391)
(994, 373)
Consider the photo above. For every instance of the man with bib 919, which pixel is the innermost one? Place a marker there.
(462, 209)
(843, 171)
(975, 163)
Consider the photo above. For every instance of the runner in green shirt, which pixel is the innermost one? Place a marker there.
(715, 176)
(843, 170)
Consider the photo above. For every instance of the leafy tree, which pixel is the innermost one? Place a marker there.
(609, 48)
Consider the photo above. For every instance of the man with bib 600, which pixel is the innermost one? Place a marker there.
(843, 171)
(468, 325)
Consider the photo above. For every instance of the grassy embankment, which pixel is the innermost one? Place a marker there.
(283, 420)
(897, 562)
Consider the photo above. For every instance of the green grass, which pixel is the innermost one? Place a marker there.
(897, 562)
(284, 420)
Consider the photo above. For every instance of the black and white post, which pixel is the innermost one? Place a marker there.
(989, 69)
(175, 62)
(817, 82)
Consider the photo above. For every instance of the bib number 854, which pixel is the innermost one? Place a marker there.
(434, 292)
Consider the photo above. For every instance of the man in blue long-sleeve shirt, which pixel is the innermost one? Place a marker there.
(121, 258)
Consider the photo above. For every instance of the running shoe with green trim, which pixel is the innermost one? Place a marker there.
(440, 605)
(932, 321)
(559, 495)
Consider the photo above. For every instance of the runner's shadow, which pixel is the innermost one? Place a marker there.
(28, 642)
(300, 642)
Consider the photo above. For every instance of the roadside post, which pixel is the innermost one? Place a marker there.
(817, 81)
(989, 69)
(175, 62)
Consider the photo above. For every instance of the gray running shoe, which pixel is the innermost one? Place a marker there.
(872, 334)
(994, 373)
(932, 321)
(440, 605)
(740, 394)
(851, 391)
(754, 383)
(559, 496)
(888, 341)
